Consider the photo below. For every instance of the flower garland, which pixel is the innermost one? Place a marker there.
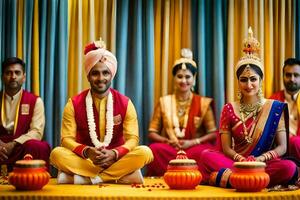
(91, 120)
(179, 133)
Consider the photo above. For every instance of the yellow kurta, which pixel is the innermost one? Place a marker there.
(69, 127)
(66, 160)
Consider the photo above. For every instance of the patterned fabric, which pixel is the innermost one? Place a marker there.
(221, 178)
(200, 119)
(24, 118)
(294, 141)
(120, 109)
(261, 129)
(38, 149)
(281, 97)
(200, 122)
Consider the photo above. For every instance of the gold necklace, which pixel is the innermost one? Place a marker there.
(182, 106)
(180, 133)
(247, 109)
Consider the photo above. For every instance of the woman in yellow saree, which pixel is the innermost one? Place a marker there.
(251, 129)
(183, 120)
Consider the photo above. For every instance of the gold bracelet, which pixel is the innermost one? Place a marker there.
(197, 141)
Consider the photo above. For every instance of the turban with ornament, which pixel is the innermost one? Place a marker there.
(96, 52)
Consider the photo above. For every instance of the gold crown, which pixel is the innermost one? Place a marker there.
(251, 52)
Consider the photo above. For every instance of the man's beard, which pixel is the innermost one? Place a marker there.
(13, 85)
(98, 90)
(291, 87)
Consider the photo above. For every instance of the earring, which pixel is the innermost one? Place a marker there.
(239, 95)
(260, 93)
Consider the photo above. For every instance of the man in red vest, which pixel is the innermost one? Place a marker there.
(99, 136)
(290, 95)
(22, 117)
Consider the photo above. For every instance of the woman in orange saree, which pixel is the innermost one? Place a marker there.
(251, 129)
(183, 120)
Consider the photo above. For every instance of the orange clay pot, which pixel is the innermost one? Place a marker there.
(29, 174)
(182, 173)
(249, 176)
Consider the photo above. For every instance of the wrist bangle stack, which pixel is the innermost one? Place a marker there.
(270, 155)
(238, 158)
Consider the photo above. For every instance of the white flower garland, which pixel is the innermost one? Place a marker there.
(91, 120)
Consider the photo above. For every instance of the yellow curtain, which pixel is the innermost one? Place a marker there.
(35, 51)
(172, 32)
(20, 30)
(88, 21)
(272, 24)
(35, 83)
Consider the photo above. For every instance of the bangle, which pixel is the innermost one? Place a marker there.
(238, 158)
(116, 153)
(197, 141)
(270, 155)
(85, 152)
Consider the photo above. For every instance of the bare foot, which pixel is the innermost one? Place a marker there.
(134, 177)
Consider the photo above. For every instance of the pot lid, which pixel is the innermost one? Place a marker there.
(182, 158)
(250, 164)
(28, 162)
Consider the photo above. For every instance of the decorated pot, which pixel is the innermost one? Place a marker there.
(29, 174)
(182, 173)
(249, 176)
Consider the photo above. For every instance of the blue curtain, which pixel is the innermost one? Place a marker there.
(135, 53)
(209, 42)
(53, 54)
(8, 29)
(53, 64)
(297, 27)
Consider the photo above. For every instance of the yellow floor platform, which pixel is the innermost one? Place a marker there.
(153, 189)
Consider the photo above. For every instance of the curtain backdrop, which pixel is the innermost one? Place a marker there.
(135, 53)
(209, 46)
(146, 36)
(272, 23)
(36, 31)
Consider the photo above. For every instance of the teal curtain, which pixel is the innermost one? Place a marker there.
(27, 39)
(209, 42)
(8, 29)
(53, 54)
(135, 54)
(53, 64)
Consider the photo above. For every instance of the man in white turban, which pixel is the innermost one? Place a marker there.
(99, 136)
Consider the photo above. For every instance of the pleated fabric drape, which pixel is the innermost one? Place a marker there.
(36, 31)
(273, 25)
